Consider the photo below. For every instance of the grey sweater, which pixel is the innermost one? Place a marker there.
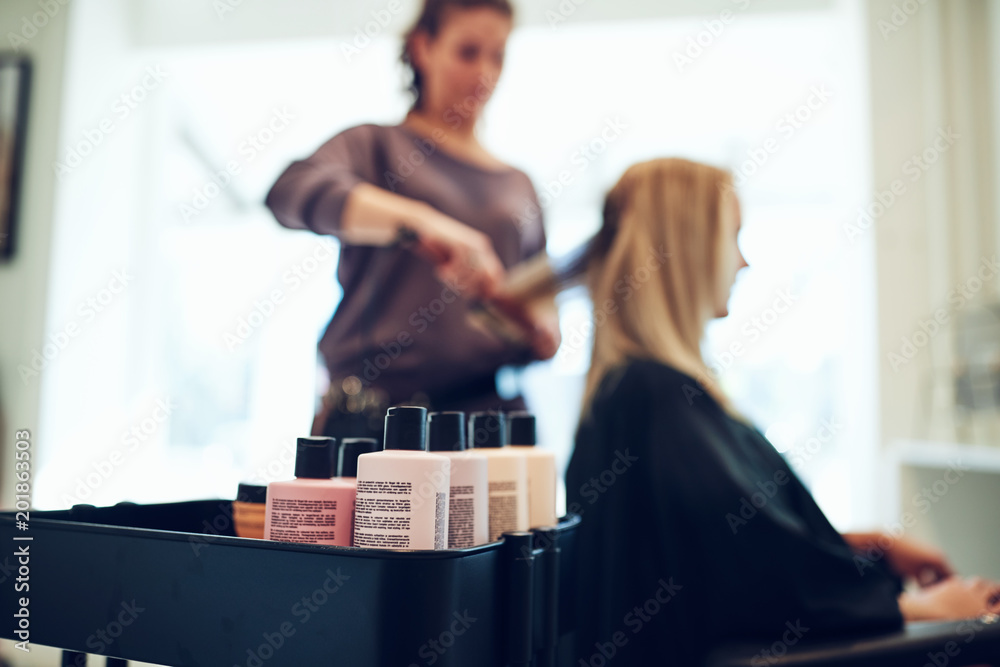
(398, 327)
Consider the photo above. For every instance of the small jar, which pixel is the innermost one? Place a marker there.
(248, 510)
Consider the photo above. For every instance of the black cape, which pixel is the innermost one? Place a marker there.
(696, 532)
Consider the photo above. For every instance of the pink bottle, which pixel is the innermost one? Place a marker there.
(313, 508)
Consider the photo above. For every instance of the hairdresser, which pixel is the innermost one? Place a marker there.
(429, 222)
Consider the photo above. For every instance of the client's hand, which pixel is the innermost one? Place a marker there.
(951, 600)
(907, 557)
(914, 560)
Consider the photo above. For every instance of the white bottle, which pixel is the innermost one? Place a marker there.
(508, 474)
(402, 498)
(469, 500)
(522, 438)
(347, 466)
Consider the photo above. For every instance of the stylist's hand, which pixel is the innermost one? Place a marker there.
(951, 600)
(538, 319)
(463, 257)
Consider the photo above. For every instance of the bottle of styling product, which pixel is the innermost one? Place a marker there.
(522, 438)
(469, 501)
(402, 500)
(249, 509)
(312, 508)
(508, 474)
(347, 464)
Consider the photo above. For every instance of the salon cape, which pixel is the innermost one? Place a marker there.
(695, 532)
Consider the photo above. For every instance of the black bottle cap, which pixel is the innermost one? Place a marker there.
(251, 493)
(406, 428)
(521, 429)
(350, 450)
(486, 429)
(446, 431)
(314, 457)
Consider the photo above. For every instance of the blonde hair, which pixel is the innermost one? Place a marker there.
(652, 268)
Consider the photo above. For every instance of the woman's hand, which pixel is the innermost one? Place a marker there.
(538, 319)
(463, 257)
(907, 557)
(951, 600)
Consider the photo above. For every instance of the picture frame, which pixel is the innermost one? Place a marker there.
(15, 75)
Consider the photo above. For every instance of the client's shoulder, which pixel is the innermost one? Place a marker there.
(654, 383)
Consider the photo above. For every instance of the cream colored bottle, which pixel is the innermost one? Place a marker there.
(508, 474)
(402, 500)
(469, 500)
(347, 466)
(522, 438)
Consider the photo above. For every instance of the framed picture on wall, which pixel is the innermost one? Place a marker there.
(15, 73)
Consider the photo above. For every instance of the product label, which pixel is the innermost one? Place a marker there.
(461, 518)
(440, 518)
(503, 508)
(382, 514)
(307, 521)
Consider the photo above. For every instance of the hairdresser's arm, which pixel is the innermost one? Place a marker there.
(462, 256)
(332, 192)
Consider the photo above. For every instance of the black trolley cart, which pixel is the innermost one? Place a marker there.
(171, 584)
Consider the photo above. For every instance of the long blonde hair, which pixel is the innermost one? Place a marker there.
(652, 268)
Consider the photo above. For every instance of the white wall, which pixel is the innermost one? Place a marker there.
(24, 281)
(928, 74)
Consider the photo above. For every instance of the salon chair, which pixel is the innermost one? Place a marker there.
(971, 642)
(938, 644)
